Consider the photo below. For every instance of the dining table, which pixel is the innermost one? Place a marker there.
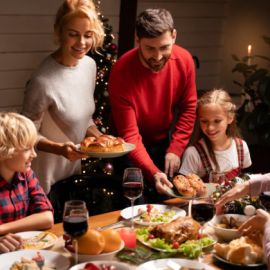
(102, 220)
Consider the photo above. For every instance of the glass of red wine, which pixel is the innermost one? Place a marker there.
(202, 210)
(265, 195)
(132, 187)
(75, 221)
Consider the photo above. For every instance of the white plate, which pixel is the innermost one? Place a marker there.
(60, 261)
(126, 213)
(175, 193)
(118, 266)
(162, 264)
(211, 236)
(128, 147)
(36, 233)
(238, 264)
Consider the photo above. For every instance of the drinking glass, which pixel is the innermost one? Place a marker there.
(265, 195)
(217, 177)
(75, 221)
(132, 187)
(202, 210)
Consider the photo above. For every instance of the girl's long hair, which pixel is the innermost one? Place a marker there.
(223, 99)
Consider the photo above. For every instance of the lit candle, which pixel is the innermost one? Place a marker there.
(249, 54)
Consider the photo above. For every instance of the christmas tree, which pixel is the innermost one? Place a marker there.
(104, 60)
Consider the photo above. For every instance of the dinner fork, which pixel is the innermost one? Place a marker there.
(40, 264)
(36, 240)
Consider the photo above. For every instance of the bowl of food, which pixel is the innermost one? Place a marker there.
(96, 245)
(226, 226)
(110, 265)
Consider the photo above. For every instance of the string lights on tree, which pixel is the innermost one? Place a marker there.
(104, 61)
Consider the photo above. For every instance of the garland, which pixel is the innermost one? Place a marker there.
(236, 206)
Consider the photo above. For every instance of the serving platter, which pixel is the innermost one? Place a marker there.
(126, 213)
(128, 147)
(211, 236)
(175, 193)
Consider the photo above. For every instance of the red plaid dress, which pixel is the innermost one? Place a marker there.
(22, 197)
(207, 164)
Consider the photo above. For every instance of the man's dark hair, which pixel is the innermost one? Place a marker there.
(153, 22)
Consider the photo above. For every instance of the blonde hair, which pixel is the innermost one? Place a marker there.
(16, 131)
(83, 9)
(223, 99)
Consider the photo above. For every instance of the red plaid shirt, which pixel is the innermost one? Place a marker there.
(21, 198)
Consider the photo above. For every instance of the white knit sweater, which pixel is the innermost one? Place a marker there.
(60, 101)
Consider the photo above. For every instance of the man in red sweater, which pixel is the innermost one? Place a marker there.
(145, 86)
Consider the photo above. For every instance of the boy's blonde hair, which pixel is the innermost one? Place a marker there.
(223, 99)
(16, 131)
(83, 9)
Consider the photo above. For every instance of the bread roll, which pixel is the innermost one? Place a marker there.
(183, 186)
(104, 143)
(197, 183)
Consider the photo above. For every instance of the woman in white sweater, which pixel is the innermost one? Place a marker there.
(59, 96)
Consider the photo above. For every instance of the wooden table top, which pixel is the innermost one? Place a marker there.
(112, 217)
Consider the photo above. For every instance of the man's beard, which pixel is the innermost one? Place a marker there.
(153, 67)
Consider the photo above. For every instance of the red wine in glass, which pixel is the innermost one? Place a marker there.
(75, 221)
(75, 226)
(132, 187)
(202, 212)
(132, 190)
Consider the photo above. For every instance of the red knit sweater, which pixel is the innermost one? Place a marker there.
(143, 104)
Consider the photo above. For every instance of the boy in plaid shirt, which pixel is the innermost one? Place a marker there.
(23, 203)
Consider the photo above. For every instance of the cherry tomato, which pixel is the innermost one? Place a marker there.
(111, 267)
(70, 248)
(66, 237)
(175, 245)
(151, 236)
(148, 205)
(201, 236)
(91, 266)
(104, 266)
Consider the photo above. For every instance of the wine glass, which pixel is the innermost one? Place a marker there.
(132, 187)
(202, 210)
(75, 221)
(265, 195)
(217, 177)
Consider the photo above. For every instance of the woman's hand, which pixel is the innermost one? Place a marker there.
(10, 242)
(237, 192)
(256, 222)
(67, 150)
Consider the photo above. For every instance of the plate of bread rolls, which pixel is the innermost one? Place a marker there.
(186, 187)
(105, 146)
(244, 251)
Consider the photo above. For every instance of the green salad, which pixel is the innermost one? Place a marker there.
(157, 217)
(190, 248)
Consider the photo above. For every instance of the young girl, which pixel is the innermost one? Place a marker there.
(218, 147)
(23, 204)
(59, 96)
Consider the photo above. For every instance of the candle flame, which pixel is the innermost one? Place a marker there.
(249, 48)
